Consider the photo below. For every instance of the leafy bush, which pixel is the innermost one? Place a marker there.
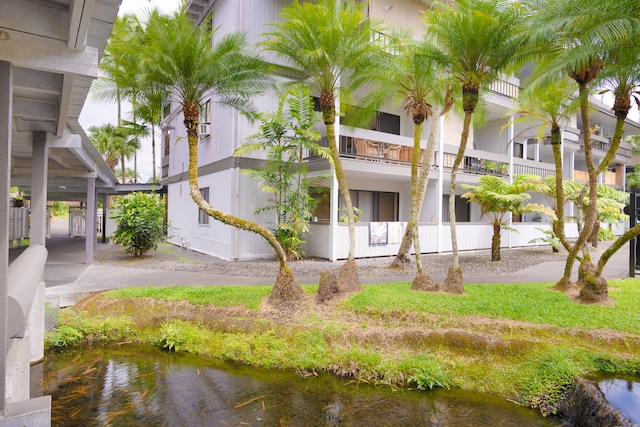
(63, 336)
(430, 375)
(140, 221)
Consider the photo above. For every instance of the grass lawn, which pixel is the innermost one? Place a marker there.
(524, 341)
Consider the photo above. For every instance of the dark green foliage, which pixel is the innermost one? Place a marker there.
(287, 135)
(140, 221)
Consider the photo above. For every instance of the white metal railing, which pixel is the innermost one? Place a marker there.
(18, 223)
(77, 222)
(505, 88)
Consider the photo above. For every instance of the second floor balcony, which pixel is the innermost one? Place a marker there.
(382, 148)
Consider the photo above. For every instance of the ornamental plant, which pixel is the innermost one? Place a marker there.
(140, 220)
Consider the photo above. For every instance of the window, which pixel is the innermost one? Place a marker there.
(205, 112)
(462, 209)
(203, 218)
(375, 206)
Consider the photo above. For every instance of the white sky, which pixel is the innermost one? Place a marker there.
(97, 114)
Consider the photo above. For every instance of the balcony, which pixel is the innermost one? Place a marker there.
(384, 148)
(505, 89)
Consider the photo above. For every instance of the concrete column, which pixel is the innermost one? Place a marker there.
(91, 234)
(334, 196)
(104, 217)
(512, 137)
(440, 186)
(39, 165)
(6, 97)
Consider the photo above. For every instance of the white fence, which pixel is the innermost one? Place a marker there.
(18, 223)
(383, 239)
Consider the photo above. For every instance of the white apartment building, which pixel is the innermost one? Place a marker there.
(376, 162)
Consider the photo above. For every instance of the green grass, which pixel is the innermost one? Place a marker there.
(523, 302)
(220, 296)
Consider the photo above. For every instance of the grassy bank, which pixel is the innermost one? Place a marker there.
(524, 342)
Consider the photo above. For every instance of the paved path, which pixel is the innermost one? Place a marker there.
(69, 279)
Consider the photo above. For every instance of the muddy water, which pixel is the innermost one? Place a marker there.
(143, 386)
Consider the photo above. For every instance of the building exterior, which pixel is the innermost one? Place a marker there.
(376, 162)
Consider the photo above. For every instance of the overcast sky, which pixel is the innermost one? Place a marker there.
(99, 113)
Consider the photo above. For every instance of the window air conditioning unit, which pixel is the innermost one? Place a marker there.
(204, 129)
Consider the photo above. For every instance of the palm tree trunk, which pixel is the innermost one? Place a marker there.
(402, 257)
(452, 188)
(591, 214)
(556, 146)
(495, 242)
(286, 285)
(621, 110)
(615, 247)
(124, 175)
(329, 121)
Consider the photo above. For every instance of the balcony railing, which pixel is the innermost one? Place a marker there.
(581, 176)
(477, 165)
(398, 154)
(504, 88)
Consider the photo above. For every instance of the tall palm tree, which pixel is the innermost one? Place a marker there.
(551, 107)
(128, 145)
(107, 141)
(182, 58)
(474, 40)
(581, 38)
(149, 111)
(408, 76)
(120, 68)
(327, 44)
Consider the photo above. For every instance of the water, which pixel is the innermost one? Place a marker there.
(624, 394)
(144, 386)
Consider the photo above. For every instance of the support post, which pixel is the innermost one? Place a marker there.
(90, 233)
(104, 217)
(6, 97)
(39, 165)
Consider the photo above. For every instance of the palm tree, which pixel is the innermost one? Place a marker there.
(107, 141)
(286, 134)
(581, 38)
(127, 146)
(474, 40)
(550, 107)
(119, 66)
(497, 198)
(327, 44)
(149, 111)
(409, 76)
(134, 132)
(182, 58)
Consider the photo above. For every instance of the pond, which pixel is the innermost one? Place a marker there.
(144, 386)
(624, 394)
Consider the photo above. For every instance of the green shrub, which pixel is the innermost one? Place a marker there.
(140, 222)
(63, 336)
(430, 375)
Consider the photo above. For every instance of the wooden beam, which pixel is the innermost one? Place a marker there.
(65, 103)
(44, 54)
(33, 109)
(79, 19)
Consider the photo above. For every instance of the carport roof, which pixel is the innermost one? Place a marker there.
(54, 47)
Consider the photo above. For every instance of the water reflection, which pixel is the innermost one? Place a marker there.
(624, 394)
(143, 386)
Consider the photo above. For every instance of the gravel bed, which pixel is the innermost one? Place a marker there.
(171, 257)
